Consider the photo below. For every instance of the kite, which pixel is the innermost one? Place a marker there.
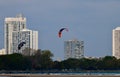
(20, 45)
(60, 32)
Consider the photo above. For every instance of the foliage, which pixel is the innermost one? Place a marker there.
(14, 62)
(42, 60)
(105, 63)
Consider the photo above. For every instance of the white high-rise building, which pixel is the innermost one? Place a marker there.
(29, 37)
(16, 33)
(12, 24)
(116, 42)
(74, 49)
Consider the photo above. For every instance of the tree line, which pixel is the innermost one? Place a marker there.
(42, 60)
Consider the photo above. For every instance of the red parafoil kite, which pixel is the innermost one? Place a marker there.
(60, 32)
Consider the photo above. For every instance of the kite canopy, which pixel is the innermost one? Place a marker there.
(60, 32)
(20, 45)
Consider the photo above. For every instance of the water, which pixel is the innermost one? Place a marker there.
(97, 73)
(89, 73)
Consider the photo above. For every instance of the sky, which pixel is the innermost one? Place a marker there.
(91, 21)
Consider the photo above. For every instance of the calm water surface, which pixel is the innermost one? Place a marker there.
(115, 73)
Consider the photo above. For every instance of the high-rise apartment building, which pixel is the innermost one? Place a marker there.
(116, 42)
(16, 32)
(74, 49)
(29, 37)
(12, 24)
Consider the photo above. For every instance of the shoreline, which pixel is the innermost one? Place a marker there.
(55, 75)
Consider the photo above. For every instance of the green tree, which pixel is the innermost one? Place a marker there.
(109, 63)
(42, 60)
(46, 59)
(71, 63)
(15, 62)
(28, 52)
(118, 64)
(88, 64)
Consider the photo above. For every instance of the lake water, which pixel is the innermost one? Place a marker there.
(110, 73)
(88, 73)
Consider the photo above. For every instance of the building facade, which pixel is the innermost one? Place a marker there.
(12, 24)
(74, 49)
(116, 42)
(2, 52)
(16, 32)
(29, 37)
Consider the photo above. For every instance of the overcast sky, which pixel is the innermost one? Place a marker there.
(91, 21)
